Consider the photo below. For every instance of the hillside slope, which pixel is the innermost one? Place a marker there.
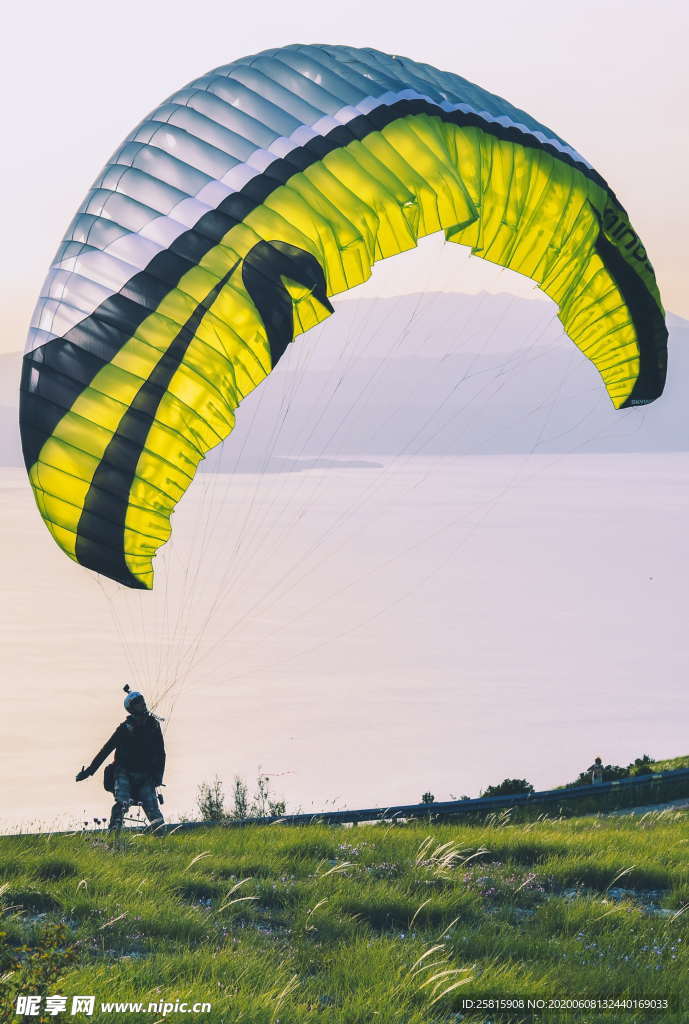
(356, 925)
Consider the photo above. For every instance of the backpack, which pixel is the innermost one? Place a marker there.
(109, 778)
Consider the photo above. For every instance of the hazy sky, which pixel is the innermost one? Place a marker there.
(611, 78)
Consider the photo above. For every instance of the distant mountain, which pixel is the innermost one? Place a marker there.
(433, 374)
(676, 323)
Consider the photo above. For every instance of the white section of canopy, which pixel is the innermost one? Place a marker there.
(76, 285)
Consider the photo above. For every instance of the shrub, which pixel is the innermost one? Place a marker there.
(508, 787)
(36, 969)
(241, 798)
(261, 805)
(210, 800)
(641, 765)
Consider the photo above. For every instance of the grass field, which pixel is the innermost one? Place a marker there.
(387, 924)
(670, 764)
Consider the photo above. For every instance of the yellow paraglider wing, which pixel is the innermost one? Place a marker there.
(223, 224)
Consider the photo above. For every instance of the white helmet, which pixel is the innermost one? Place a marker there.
(132, 697)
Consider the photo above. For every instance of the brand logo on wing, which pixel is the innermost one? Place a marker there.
(619, 231)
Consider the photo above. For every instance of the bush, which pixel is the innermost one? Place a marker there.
(35, 968)
(509, 787)
(210, 800)
(241, 798)
(641, 765)
(263, 805)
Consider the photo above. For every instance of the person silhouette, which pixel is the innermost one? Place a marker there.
(596, 770)
(139, 763)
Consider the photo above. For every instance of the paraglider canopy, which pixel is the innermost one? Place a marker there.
(225, 221)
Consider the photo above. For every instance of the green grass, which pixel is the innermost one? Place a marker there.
(334, 925)
(670, 764)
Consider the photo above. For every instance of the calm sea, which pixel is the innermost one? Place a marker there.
(361, 630)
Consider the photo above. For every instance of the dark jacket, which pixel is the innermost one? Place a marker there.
(138, 748)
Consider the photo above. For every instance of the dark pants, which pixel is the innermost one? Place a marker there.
(132, 788)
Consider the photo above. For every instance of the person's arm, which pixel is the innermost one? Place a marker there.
(158, 755)
(102, 754)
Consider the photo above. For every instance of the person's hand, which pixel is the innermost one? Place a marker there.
(83, 774)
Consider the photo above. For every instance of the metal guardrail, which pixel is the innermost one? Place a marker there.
(443, 810)
(456, 808)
